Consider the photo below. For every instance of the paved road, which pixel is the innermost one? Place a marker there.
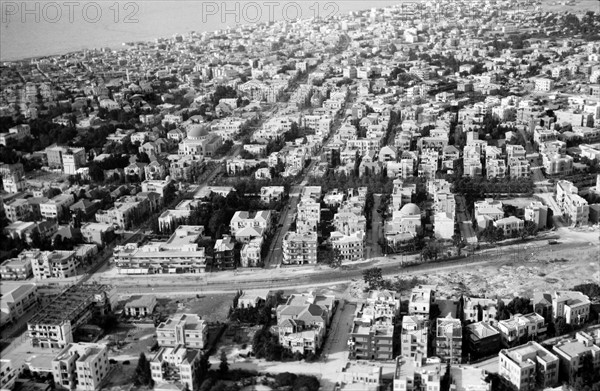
(285, 221)
(228, 282)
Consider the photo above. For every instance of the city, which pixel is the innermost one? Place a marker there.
(403, 198)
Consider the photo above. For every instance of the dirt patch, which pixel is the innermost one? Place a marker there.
(212, 308)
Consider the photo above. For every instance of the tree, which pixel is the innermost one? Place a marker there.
(224, 365)
(373, 277)
(331, 257)
(201, 371)
(143, 374)
(530, 229)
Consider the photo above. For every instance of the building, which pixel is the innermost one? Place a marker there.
(418, 374)
(250, 255)
(574, 207)
(571, 353)
(53, 326)
(510, 225)
(17, 302)
(69, 159)
(224, 254)
(414, 336)
(53, 264)
(544, 84)
(271, 193)
(528, 367)
(362, 377)
(421, 299)
(81, 366)
(483, 339)
(175, 364)
(303, 322)
(520, 328)
(16, 268)
(448, 339)
(179, 254)
(57, 207)
(140, 306)
(98, 233)
(12, 177)
(489, 208)
(573, 306)
(9, 373)
(299, 248)
(245, 226)
(476, 309)
(537, 213)
(372, 335)
(349, 247)
(188, 330)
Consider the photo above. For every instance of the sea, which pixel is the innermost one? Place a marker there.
(34, 28)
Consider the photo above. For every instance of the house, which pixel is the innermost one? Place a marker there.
(537, 213)
(247, 225)
(250, 255)
(271, 193)
(573, 306)
(510, 225)
(140, 306)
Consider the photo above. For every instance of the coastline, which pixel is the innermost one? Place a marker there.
(178, 21)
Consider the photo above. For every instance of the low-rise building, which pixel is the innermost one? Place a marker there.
(175, 364)
(140, 306)
(16, 268)
(17, 302)
(528, 367)
(188, 330)
(483, 339)
(81, 366)
(537, 213)
(448, 339)
(421, 299)
(571, 354)
(349, 247)
(520, 328)
(299, 248)
(179, 254)
(414, 336)
(250, 255)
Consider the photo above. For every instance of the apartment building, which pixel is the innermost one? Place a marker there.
(421, 299)
(175, 364)
(16, 268)
(483, 339)
(571, 354)
(557, 164)
(309, 215)
(271, 193)
(53, 264)
(372, 335)
(81, 366)
(537, 213)
(448, 339)
(574, 207)
(17, 302)
(57, 207)
(179, 254)
(521, 327)
(418, 374)
(13, 177)
(299, 248)
(518, 168)
(53, 326)
(476, 309)
(528, 367)
(414, 336)
(187, 330)
(99, 233)
(224, 254)
(69, 159)
(350, 247)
